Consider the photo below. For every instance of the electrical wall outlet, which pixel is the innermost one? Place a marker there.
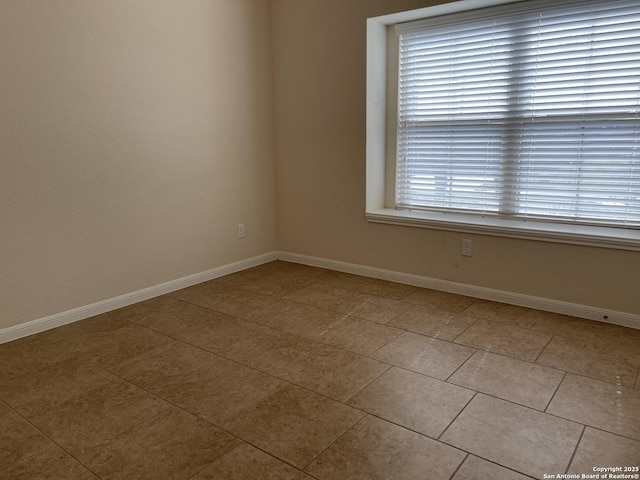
(466, 247)
(241, 230)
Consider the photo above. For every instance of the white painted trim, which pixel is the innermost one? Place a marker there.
(57, 320)
(546, 304)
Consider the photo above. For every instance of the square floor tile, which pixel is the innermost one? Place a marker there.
(269, 350)
(36, 392)
(501, 312)
(605, 358)
(510, 379)
(412, 400)
(386, 289)
(372, 307)
(322, 296)
(170, 445)
(613, 408)
(97, 416)
(340, 279)
(208, 294)
(303, 320)
(333, 372)
(107, 346)
(200, 382)
(246, 462)
(26, 454)
(29, 354)
(602, 449)
(475, 468)
(277, 285)
(376, 449)
(358, 335)
(421, 354)
(431, 321)
(505, 339)
(251, 306)
(522, 439)
(449, 302)
(294, 424)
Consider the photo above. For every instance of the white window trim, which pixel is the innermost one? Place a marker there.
(378, 208)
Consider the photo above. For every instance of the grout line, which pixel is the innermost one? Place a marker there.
(37, 429)
(475, 394)
(471, 355)
(555, 391)
(333, 443)
(543, 349)
(460, 466)
(575, 449)
(346, 402)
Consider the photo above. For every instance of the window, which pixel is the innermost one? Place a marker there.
(519, 119)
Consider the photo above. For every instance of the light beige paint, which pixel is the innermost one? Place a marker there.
(134, 136)
(319, 79)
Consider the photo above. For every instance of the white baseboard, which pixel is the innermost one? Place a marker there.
(546, 304)
(593, 313)
(40, 325)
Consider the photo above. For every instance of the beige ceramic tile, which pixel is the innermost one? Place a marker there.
(602, 449)
(200, 382)
(373, 308)
(294, 424)
(510, 379)
(171, 445)
(36, 392)
(522, 439)
(240, 279)
(573, 327)
(383, 288)
(422, 354)
(475, 468)
(97, 415)
(303, 320)
(605, 359)
(297, 270)
(29, 354)
(505, 339)
(278, 285)
(110, 347)
(208, 294)
(376, 449)
(333, 372)
(246, 462)
(322, 296)
(26, 454)
(431, 321)
(613, 408)
(412, 400)
(449, 302)
(340, 279)
(165, 314)
(222, 335)
(358, 335)
(251, 306)
(270, 350)
(501, 312)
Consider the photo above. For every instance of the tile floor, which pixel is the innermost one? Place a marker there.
(286, 371)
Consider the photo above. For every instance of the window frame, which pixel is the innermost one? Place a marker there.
(382, 68)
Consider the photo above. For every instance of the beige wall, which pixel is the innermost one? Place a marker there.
(319, 78)
(134, 136)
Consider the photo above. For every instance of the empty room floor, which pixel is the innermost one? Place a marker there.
(286, 371)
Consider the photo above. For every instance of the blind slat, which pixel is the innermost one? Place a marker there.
(527, 111)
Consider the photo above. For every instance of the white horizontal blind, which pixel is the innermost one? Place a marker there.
(527, 111)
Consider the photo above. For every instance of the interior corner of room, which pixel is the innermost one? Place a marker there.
(147, 146)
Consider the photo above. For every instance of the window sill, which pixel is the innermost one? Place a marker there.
(604, 237)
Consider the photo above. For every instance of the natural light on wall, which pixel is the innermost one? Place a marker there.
(520, 119)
